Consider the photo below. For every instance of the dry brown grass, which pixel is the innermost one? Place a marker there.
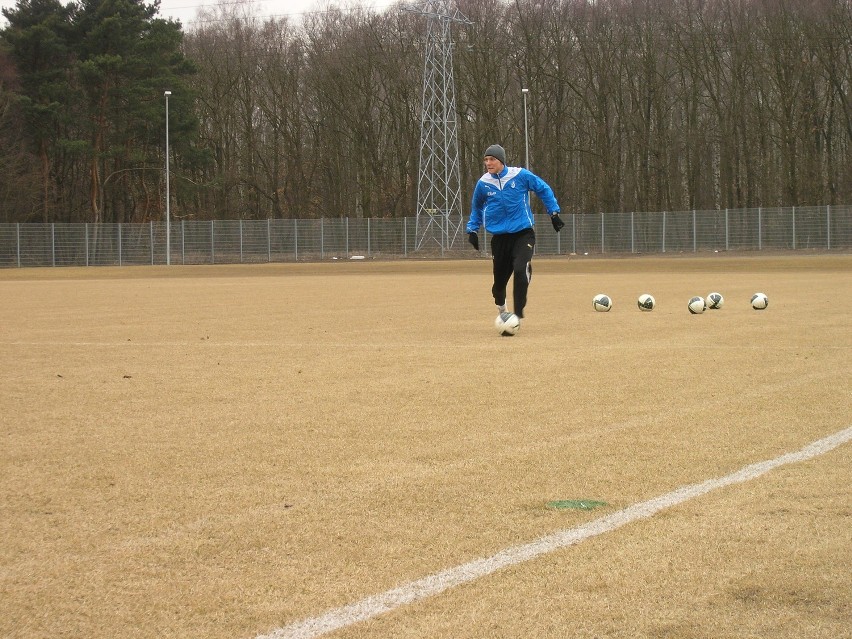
(219, 451)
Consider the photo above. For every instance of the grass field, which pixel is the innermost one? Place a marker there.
(224, 451)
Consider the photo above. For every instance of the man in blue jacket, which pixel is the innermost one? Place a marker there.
(501, 203)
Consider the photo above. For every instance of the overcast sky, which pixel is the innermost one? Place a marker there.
(185, 10)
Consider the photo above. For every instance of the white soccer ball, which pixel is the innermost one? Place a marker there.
(697, 305)
(646, 302)
(602, 303)
(715, 300)
(507, 324)
(759, 301)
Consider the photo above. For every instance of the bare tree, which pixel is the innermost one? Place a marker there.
(633, 105)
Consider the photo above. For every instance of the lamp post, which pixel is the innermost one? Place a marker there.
(168, 198)
(526, 129)
(526, 138)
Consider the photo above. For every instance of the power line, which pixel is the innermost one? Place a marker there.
(262, 6)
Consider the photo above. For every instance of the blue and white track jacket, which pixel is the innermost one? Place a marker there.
(500, 202)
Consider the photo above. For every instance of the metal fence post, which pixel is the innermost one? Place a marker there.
(759, 228)
(559, 243)
(347, 236)
(794, 228)
(603, 233)
(574, 233)
(268, 240)
(694, 233)
(296, 240)
(86, 243)
(632, 235)
(405, 236)
(241, 240)
(119, 243)
(322, 238)
(151, 239)
(664, 231)
(727, 235)
(369, 245)
(18, 242)
(183, 241)
(53, 244)
(828, 226)
(212, 242)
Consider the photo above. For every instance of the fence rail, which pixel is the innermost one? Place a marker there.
(823, 228)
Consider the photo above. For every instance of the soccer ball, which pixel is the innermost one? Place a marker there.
(715, 300)
(602, 303)
(646, 302)
(507, 324)
(697, 305)
(759, 301)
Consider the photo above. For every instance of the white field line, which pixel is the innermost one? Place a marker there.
(439, 582)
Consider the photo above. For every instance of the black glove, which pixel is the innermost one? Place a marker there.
(557, 222)
(473, 238)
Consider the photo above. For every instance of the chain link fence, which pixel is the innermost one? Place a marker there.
(823, 228)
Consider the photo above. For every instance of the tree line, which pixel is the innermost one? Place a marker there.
(633, 105)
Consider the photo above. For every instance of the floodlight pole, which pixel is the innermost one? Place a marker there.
(526, 130)
(526, 138)
(168, 198)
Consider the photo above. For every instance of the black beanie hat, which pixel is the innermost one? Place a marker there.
(496, 151)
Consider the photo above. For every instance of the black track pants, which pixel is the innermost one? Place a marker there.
(512, 255)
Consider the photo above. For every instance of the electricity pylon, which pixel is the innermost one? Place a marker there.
(439, 204)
